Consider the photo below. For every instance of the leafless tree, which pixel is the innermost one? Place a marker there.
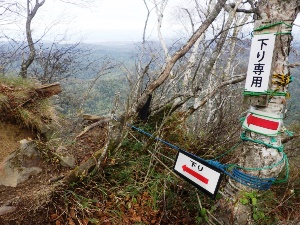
(171, 61)
(256, 154)
(55, 61)
(32, 8)
(186, 82)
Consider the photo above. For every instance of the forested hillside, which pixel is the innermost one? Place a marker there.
(97, 91)
(100, 97)
(198, 125)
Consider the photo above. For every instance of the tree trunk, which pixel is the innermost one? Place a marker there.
(30, 15)
(275, 16)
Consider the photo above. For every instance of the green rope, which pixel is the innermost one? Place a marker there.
(262, 168)
(278, 33)
(245, 138)
(288, 33)
(271, 25)
(292, 79)
(269, 92)
(290, 133)
(242, 119)
(279, 148)
(287, 172)
(273, 139)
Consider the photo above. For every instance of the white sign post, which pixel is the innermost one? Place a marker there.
(198, 172)
(260, 63)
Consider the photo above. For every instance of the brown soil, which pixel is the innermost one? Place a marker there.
(34, 194)
(10, 135)
(37, 203)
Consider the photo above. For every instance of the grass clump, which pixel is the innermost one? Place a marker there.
(20, 104)
(18, 82)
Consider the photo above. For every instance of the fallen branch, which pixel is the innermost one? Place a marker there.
(85, 168)
(86, 129)
(48, 90)
(94, 162)
(92, 117)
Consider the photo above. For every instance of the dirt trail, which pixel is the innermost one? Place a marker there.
(10, 135)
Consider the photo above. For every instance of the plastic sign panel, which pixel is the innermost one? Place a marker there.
(202, 175)
(262, 122)
(260, 62)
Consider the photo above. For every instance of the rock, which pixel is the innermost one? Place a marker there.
(12, 176)
(62, 150)
(7, 209)
(66, 159)
(20, 165)
(27, 148)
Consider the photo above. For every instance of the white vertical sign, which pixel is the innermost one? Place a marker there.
(260, 62)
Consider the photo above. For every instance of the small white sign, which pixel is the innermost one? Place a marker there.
(198, 172)
(260, 63)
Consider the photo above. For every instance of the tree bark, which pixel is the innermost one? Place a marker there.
(30, 15)
(259, 155)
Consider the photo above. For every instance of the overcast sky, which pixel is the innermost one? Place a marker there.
(110, 20)
(105, 20)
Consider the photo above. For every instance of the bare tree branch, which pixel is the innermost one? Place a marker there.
(175, 57)
(191, 20)
(293, 65)
(212, 93)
